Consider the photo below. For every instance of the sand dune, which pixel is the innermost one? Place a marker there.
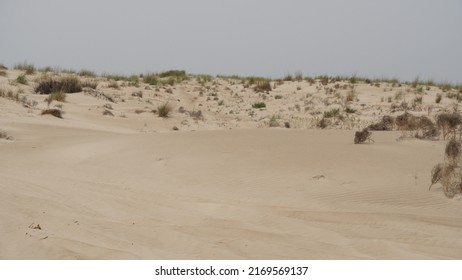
(128, 187)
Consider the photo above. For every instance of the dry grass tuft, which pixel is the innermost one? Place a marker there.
(164, 110)
(386, 124)
(54, 112)
(448, 123)
(363, 136)
(453, 151)
(47, 85)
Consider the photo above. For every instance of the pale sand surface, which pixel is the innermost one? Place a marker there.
(223, 194)
(113, 188)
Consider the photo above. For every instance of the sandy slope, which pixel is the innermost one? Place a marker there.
(222, 194)
(128, 187)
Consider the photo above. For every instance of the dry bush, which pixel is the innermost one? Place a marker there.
(22, 79)
(106, 112)
(453, 151)
(58, 96)
(54, 112)
(451, 180)
(426, 129)
(407, 122)
(362, 136)
(197, 115)
(437, 173)
(386, 124)
(262, 86)
(164, 110)
(47, 85)
(113, 84)
(3, 134)
(28, 67)
(323, 123)
(273, 122)
(448, 123)
(89, 84)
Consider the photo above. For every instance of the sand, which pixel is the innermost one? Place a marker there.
(90, 186)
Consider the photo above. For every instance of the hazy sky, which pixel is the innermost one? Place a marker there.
(387, 38)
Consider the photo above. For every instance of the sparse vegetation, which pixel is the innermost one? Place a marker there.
(164, 110)
(25, 66)
(273, 122)
(363, 136)
(448, 123)
(113, 84)
(87, 73)
(54, 112)
(438, 98)
(21, 79)
(332, 113)
(449, 173)
(385, 124)
(350, 110)
(68, 84)
(262, 86)
(4, 135)
(57, 95)
(259, 105)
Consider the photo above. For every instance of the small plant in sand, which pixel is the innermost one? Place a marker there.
(350, 110)
(164, 110)
(86, 73)
(262, 86)
(363, 136)
(113, 84)
(3, 134)
(21, 79)
(332, 113)
(273, 122)
(438, 98)
(54, 112)
(57, 95)
(351, 96)
(27, 67)
(385, 124)
(259, 105)
(449, 173)
(448, 123)
(298, 76)
(89, 84)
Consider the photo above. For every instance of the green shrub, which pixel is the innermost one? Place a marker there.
(349, 110)
(332, 113)
(288, 78)
(87, 73)
(259, 105)
(151, 79)
(22, 79)
(172, 73)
